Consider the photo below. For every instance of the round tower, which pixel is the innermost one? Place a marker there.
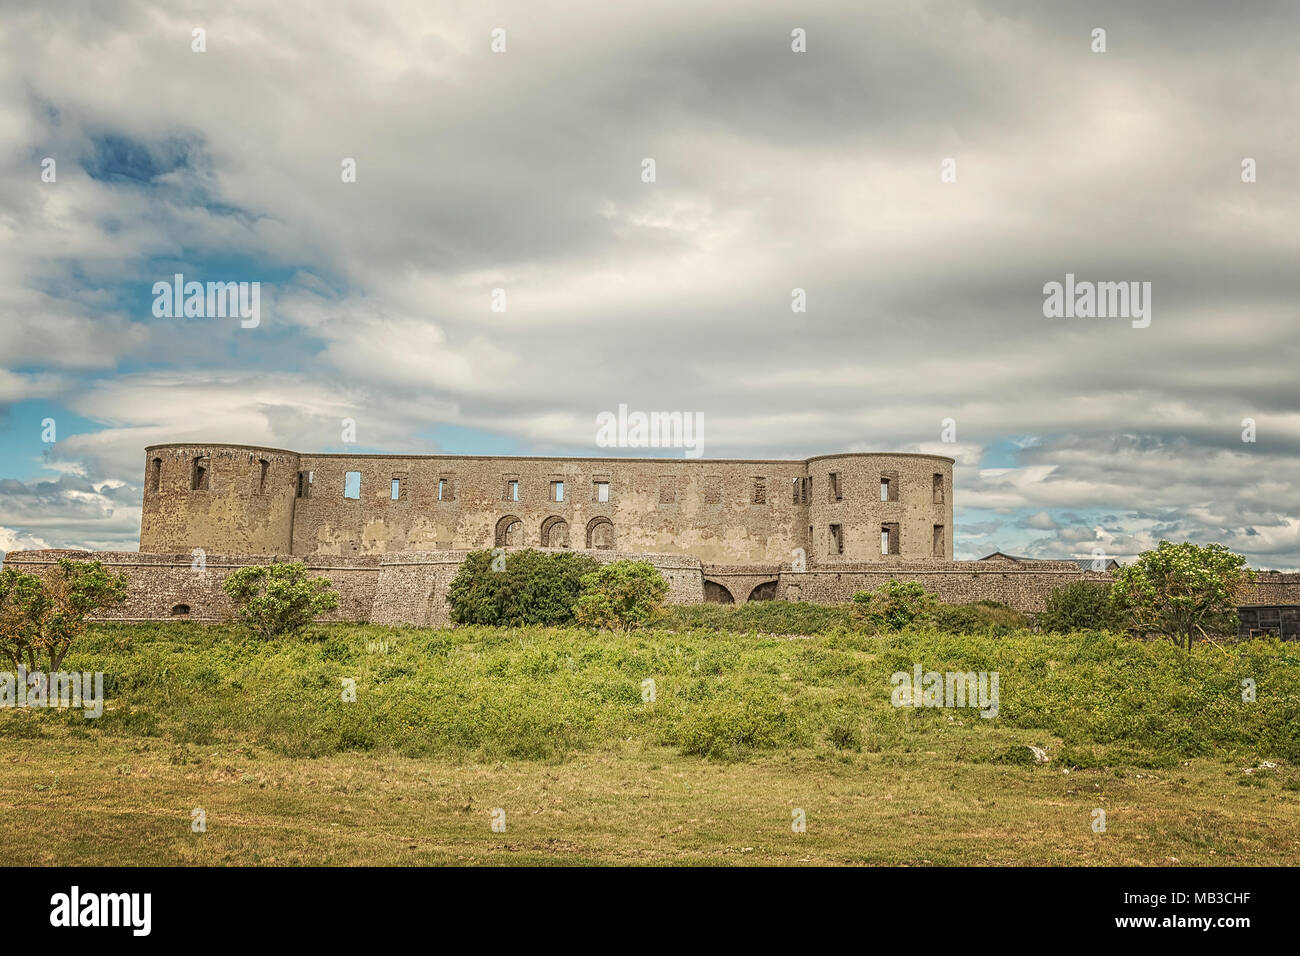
(225, 499)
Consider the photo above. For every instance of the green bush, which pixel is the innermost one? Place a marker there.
(895, 605)
(982, 617)
(621, 596)
(764, 617)
(1080, 606)
(518, 587)
(732, 729)
(275, 600)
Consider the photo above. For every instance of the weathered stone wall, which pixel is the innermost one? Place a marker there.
(920, 502)
(406, 588)
(158, 583)
(724, 512)
(246, 508)
(411, 587)
(1021, 586)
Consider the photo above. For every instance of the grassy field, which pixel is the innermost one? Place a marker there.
(745, 729)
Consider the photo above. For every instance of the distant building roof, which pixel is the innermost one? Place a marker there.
(1085, 563)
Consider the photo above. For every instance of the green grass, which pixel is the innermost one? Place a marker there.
(551, 725)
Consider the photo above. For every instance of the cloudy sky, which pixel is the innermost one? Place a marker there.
(775, 170)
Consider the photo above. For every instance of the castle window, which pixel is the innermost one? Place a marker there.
(304, 484)
(446, 489)
(760, 491)
(836, 543)
(180, 610)
(263, 467)
(512, 490)
(155, 475)
(889, 538)
(199, 477)
(602, 491)
(940, 547)
(557, 491)
(352, 484)
(889, 486)
(833, 492)
(397, 488)
(938, 489)
(795, 485)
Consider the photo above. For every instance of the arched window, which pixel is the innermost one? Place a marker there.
(155, 475)
(600, 534)
(555, 532)
(180, 610)
(510, 532)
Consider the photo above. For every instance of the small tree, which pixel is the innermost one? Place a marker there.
(621, 596)
(41, 616)
(896, 605)
(1180, 589)
(1081, 606)
(278, 599)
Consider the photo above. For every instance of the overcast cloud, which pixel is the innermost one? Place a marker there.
(775, 170)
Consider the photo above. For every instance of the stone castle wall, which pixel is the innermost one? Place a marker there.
(406, 588)
(411, 587)
(239, 499)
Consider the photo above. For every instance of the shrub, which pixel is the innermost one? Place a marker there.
(767, 617)
(982, 617)
(273, 600)
(41, 616)
(518, 587)
(1080, 606)
(621, 596)
(732, 728)
(895, 606)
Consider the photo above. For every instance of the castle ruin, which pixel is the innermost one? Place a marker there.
(391, 531)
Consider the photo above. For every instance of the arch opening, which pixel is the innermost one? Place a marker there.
(600, 534)
(509, 532)
(715, 593)
(555, 532)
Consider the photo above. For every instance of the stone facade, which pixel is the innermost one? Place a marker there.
(405, 588)
(240, 499)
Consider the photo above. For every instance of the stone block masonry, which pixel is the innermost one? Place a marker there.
(406, 588)
(411, 587)
(244, 499)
